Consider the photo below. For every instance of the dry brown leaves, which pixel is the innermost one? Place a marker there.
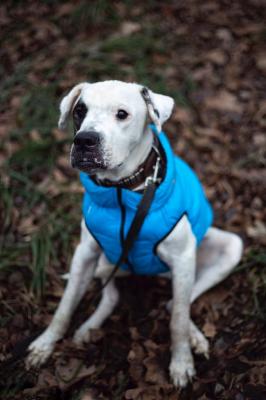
(219, 49)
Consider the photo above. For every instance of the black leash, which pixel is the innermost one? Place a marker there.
(139, 218)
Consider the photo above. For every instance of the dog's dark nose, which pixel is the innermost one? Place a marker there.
(87, 140)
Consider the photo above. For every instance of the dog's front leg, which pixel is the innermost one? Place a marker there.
(183, 272)
(110, 297)
(178, 250)
(81, 272)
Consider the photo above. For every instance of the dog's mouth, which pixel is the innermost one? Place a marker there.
(87, 161)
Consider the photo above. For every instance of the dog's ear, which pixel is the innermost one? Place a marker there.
(67, 103)
(159, 107)
(164, 105)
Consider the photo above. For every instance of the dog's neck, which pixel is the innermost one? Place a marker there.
(135, 158)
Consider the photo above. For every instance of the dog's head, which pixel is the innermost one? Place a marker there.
(110, 119)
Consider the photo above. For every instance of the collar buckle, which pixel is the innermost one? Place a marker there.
(154, 178)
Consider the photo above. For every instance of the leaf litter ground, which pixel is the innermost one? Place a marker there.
(210, 58)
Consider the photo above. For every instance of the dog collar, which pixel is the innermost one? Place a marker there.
(144, 171)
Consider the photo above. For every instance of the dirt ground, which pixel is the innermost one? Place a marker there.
(210, 56)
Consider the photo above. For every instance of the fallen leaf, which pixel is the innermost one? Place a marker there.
(46, 378)
(129, 27)
(182, 115)
(133, 394)
(154, 374)
(260, 116)
(89, 396)
(261, 62)
(257, 375)
(136, 353)
(59, 176)
(71, 372)
(216, 56)
(209, 329)
(224, 101)
(257, 230)
(35, 135)
(26, 225)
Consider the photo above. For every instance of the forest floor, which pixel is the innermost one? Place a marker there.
(209, 56)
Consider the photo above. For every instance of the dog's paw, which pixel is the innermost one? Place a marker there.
(182, 370)
(198, 342)
(81, 336)
(40, 350)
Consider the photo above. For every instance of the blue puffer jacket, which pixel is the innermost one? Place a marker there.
(179, 193)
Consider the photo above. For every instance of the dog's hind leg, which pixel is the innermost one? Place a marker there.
(110, 297)
(81, 272)
(217, 256)
(198, 342)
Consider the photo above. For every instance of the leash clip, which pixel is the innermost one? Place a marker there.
(154, 178)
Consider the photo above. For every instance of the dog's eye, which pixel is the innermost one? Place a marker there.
(80, 111)
(79, 114)
(121, 114)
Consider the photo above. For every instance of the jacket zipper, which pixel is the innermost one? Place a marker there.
(122, 225)
(123, 216)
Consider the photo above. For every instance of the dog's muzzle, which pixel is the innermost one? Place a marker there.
(86, 154)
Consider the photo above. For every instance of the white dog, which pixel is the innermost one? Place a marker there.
(113, 143)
